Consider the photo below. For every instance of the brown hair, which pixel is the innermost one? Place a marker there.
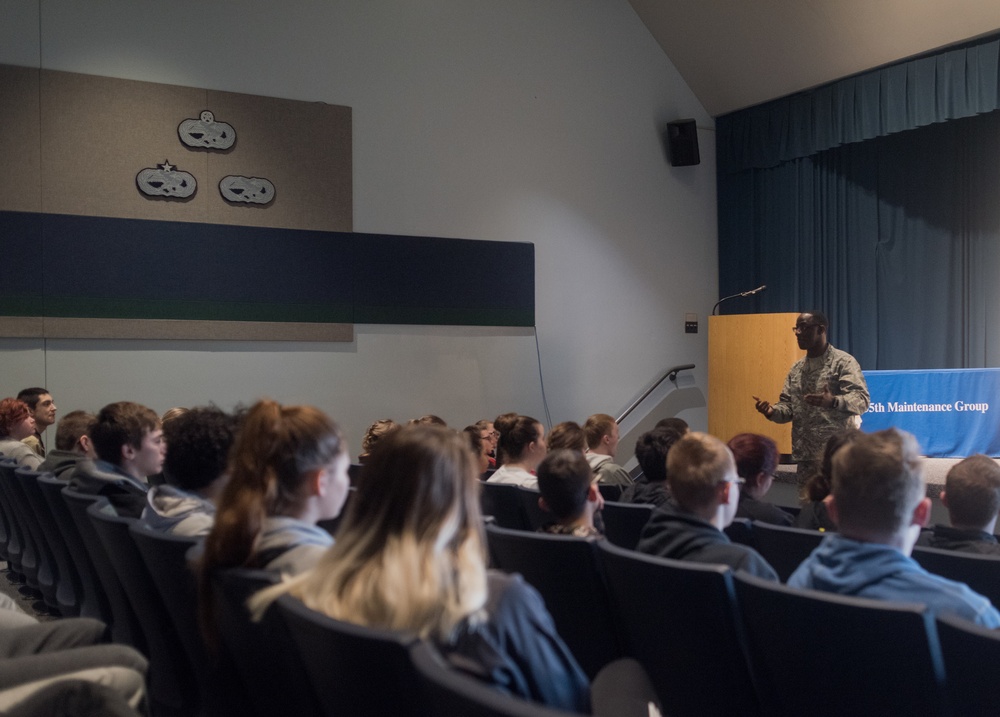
(754, 454)
(516, 434)
(972, 489)
(120, 424)
(597, 427)
(72, 427)
(568, 434)
(696, 464)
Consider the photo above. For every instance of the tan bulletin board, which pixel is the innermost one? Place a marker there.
(73, 144)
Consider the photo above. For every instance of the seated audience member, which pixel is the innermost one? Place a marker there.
(16, 424)
(568, 492)
(522, 444)
(198, 443)
(287, 471)
(489, 434)
(567, 434)
(651, 451)
(373, 434)
(479, 447)
(128, 441)
(36, 655)
(602, 445)
(43, 408)
(816, 492)
(705, 490)
(500, 420)
(169, 415)
(678, 425)
(879, 504)
(756, 459)
(410, 556)
(72, 445)
(972, 497)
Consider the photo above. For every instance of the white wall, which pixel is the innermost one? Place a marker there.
(517, 120)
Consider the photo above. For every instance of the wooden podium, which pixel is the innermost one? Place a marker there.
(749, 355)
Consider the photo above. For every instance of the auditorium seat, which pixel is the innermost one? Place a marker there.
(124, 624)
(610, 492)
(502, 501)
(22, 553)
(449, 693)
(533, 513)
(261, 653)
(783, 547)
(173, 685)
(565, 571)
(623, 522)
(979, 572)
(67, 581)
(93, 602)
(971, 654)
(354, 670)
(822, 655)
(740, 531)
(46, 573)
(679, 620)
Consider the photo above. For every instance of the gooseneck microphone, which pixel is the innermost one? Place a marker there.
(742, 293)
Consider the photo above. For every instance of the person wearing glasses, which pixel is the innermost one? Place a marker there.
(702, 477)
(756, 460)
(825, 392)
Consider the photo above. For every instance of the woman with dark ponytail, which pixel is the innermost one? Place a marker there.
(522, 445)
(287, 471)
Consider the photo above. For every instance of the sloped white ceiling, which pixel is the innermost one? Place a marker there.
(738, 53)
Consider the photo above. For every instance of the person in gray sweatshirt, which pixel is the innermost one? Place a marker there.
(198, 443)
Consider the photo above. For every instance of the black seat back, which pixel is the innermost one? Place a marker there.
(623, 522)
(783, 547)
(565, 571)
(979, 572)
(503, 502)
(67, 581)
(679, 620)
(971, 654)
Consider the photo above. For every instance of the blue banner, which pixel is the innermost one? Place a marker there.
(952, 412)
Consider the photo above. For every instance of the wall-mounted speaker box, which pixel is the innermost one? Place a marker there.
(682, 143)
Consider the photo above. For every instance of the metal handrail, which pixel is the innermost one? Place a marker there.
(671, 374)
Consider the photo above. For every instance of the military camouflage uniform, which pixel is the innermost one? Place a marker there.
(813, 425)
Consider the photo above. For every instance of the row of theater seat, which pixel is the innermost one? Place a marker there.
(294, 662)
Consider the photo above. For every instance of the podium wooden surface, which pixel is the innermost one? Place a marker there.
(749, 355)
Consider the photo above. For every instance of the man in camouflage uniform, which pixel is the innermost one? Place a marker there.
(825, 392)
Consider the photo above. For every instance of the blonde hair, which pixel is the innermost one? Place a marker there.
(409, 554)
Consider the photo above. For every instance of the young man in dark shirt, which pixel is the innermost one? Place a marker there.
(972, 496)
(569, 492)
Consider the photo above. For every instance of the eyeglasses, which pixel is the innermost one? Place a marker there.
(799, 328)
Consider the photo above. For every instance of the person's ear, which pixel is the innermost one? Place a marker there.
(543, 505)
(593, 493)
(128, 452)
(944, 499)
(316, 482)
(832, 510)
(724, 489)
(922, 513)
(84, 444)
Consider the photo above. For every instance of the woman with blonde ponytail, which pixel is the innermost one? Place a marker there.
(410, 556)
(287, 471)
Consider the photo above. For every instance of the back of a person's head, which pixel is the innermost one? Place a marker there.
(819, 485)
(597, 427)
(72, 427)
(275, 450)
(120, 424)
(877, 482)
(429, 420)
(679, 425)
(198, 443)
(31, 395)
(516, 434)
(696, 464)
(409, 553)
(375, 431)
(753, 454)
(972, 491)
(567, 434)
(12, 412)
(651, 451)
(564, 478)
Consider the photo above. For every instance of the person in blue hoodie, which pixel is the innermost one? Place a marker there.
(880, 503)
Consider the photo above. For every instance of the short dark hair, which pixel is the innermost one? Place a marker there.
(198, 443)
(819, 318)
(972, 489)
(564, 478)
(651, 452)
(675, 423)
(31, 395)
(119, 424)
(71, 428)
